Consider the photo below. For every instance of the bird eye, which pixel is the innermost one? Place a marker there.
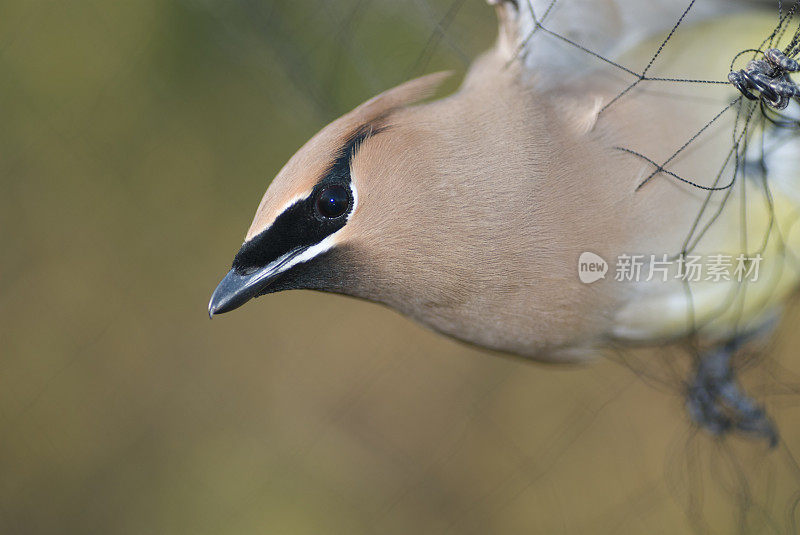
(333, 201)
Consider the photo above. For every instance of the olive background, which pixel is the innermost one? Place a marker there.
(136, 140)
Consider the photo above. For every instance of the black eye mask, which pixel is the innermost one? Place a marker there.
(308, 221)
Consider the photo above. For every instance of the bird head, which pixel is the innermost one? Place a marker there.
(332, 195)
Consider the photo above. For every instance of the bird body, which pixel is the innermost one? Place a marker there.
(470, 213)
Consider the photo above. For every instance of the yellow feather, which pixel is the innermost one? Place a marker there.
(758, 218)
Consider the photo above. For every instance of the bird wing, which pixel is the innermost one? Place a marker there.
(560, 40)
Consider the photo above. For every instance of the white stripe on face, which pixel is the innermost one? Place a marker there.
(281, 265)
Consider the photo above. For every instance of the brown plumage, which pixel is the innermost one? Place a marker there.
(469, 213)
(503, 228)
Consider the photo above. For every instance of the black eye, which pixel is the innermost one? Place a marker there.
(333, 201)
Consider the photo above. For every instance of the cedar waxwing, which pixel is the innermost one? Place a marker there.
(554, 203)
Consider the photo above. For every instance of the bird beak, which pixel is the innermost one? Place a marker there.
(236, 289)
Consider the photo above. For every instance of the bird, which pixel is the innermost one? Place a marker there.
(584, 132)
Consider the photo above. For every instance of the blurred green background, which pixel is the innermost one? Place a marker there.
(137, 139)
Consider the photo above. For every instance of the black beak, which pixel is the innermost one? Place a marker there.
(236, 289)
